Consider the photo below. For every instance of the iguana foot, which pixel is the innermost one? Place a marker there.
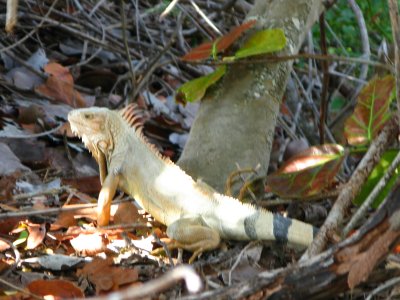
(191, 235)
(199, 246)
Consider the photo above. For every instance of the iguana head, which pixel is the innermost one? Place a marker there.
(95, 126)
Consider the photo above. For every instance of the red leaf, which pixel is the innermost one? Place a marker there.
(105, 276)
(58, 289)
(59, 86)
(307, 173)
(127, 213)
(69, 218)
(37, 233)
(229, 38)
(205, 50)
(200, 52)
(371, 112)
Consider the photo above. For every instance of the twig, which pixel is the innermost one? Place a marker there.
(384, 286)
(275, 202)
(53, 191)
(313, 106)
(192, 280)
(290, 131)
(371, 197)
(164, 247)
(36, 28)
(325, 81)
(364, 42)
(268, 202)
(351, 189)
(109, 45)
(228, 4)
(25, 64)
(13, 286)
(168, 9)
(29, 136)
(149, 71)
(275, 58)
(11, 16)
(181, 40)
(128, 226)
(394, 18)
(69, 156)
(336, 38)
(98, 4)
(246, 187)
(233, 177)
(208, 21)
(238, 259)
(292, 95)
(49, 211)
(84, 61)
(348, 77)
(126, 46)
(199, 26)
(16, 252)
(99, 29)
(311, 63)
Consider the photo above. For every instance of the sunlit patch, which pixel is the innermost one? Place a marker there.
(90, 244)
(165, 182)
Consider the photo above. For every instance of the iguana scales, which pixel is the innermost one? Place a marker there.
(197, 217)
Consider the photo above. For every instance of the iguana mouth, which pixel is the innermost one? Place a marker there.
(76, 132)
(73, 122)
(74, 129)
(74, 125)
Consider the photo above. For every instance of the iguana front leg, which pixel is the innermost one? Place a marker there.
(106, 195)
(192, 235)
(101, 161)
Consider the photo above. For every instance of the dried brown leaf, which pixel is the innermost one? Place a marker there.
(57, 289)
(105, 276)
(59, 86)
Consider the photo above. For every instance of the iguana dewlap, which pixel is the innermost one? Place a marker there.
(197, 217)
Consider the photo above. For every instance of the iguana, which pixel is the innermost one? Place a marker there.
(197, 217)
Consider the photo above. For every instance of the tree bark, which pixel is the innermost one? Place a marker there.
(236, 121)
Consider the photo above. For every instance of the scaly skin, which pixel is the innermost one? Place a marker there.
(197, 217)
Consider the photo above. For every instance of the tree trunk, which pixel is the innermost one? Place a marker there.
(237, 118)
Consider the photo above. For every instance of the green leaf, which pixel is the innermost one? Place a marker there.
(337, 103)
(262, 42)
(22, 238)
(308, 173)
(377, 173)
(371, 112)
(195, 89)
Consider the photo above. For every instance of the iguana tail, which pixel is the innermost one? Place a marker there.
(245, 222)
